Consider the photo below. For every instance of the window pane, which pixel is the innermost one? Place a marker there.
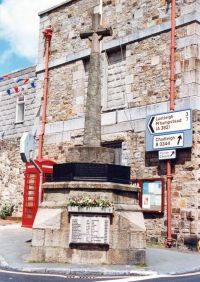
(20, 112)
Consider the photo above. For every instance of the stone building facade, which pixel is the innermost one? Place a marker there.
(18, 115)
(135, 84)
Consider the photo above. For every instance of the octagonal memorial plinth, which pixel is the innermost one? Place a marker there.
(111, 235)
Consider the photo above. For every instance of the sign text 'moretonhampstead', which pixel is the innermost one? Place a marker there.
(172, 130)
(170, 122)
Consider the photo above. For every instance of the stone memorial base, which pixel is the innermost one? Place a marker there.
(80, 235)
(88, 154)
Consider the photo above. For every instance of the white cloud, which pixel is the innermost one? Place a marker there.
(19, 25)
(5, 56)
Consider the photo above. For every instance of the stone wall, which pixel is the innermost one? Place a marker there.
(67, 22)
(9, 128)
(135, 81)
(11, 175)
(11, 166)
(126, 17)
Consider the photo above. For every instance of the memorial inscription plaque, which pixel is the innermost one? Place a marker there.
(86, 229)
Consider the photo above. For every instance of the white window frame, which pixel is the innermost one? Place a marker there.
(20, 103)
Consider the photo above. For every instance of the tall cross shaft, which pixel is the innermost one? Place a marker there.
(92, 133)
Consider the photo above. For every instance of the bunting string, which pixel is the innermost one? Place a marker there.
(4, 77)
(21, 84)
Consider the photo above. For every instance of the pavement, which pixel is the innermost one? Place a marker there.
(15, 248)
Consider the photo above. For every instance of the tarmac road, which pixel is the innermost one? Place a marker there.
(14, 276)
(190, 278)
(6, 275)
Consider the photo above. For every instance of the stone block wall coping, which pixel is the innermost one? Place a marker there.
(99, 210)
(125, 40)
(53, 204)
(89, 185)
(54, 7)
(20, 72)
(127, 207)
(63, 205)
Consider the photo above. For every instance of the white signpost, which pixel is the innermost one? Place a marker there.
(168, 141)
(170, 122)
(167, 154)
(169, 131)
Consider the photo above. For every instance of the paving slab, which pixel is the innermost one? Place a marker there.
(15, 248)
(172, 261)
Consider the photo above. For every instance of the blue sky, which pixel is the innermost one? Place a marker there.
(10, 62)
(19, 25)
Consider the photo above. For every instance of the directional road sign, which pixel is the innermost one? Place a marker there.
(169, 130)
(167, 154)
(170, 122)
(173, 140)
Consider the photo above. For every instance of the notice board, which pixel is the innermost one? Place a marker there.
(151, 196)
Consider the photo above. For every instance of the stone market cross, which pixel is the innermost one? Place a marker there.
(67, 234)
(92, 133)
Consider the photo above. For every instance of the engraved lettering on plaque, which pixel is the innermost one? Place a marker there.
(86, 229)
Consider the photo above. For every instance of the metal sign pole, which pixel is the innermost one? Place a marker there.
(169, 164)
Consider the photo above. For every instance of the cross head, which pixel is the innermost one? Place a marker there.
(97, 33)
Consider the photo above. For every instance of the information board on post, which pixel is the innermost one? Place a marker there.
(151, 196)
(172, 130)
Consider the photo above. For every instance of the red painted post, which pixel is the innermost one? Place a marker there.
(172, 76)
(169, 205)
(48, 35)
(172, 87)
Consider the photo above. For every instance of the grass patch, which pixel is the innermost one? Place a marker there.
(155, 245)
(142, 264)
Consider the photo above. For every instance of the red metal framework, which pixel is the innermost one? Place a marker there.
(31, 189)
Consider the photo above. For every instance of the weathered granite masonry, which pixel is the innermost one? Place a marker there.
(51, 229)
(135, 83)
(11, 175)
(135, 78)
(11, 166)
